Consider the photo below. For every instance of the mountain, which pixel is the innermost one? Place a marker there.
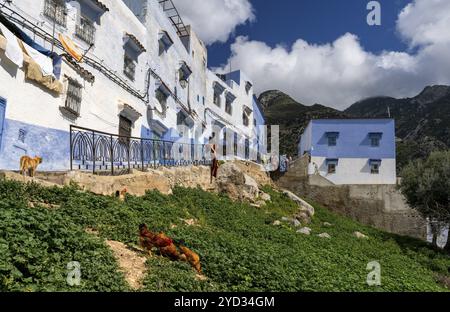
(292, 117)
(422, 122)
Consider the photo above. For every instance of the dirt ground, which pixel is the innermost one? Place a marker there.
(131, 263)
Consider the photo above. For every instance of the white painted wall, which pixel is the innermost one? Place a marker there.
(356, 171)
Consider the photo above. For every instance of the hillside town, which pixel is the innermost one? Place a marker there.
(129, 162)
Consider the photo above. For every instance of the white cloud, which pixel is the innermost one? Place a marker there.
(215, 20)
(342, 72)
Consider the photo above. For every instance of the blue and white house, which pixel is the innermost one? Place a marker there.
(143, 74)
(351, 151)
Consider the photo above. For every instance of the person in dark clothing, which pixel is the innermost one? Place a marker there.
(214, 161)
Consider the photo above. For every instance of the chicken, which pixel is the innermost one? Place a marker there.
(121, 194)
(191, 257)
(165, 244)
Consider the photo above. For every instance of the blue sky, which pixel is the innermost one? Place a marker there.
(323, 51)
(318, 22)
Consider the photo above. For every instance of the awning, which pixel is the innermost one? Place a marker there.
(375, 134)
(375, 161)
(129, 112)
(332, 134)
(218, 87)
(160, 85)
(99, 5)
(71, 48)
(165, 38)
(186, 70)
(230, 97)
(158, 127)
(135, 43)
(247, 110)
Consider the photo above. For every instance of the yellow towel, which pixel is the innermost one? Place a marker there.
(33, 72)
(71, 48)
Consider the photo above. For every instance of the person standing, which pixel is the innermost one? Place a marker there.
(214, 161)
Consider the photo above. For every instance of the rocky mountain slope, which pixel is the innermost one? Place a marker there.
(422, 122)
(292, 117)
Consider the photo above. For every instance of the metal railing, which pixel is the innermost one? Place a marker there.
(107, 153)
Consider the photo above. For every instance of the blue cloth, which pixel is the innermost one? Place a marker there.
(283, 164)
(57, 59)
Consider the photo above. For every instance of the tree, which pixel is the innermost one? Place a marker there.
(426, 186)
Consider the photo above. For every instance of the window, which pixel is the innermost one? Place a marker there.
(248, 87)
(375, 142)
(125, 126)
(217, 99)
(203, 98)
(86, 30)
(331, 168)
(56, 11)
(375, 168)
(332, 138)
(22, 135)
(254, 122)
(245, 119)
(198, 98)
(73, 99)
(129, 67)
(331, 141)
(228, 108)
(162, 99)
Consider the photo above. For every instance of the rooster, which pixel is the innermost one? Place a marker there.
(165, 244)
(191, 257)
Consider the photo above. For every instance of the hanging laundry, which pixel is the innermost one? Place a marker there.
(71, 48)
(13, 51)
(57, 59)
(33, 72)
(43, 61)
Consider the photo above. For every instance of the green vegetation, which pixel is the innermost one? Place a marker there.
(426, 186)
(240, 248)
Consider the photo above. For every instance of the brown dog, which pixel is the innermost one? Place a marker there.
(28, 164)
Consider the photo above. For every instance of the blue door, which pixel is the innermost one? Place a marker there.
(2, 118)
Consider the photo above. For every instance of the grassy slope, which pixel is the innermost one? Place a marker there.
(239, 247)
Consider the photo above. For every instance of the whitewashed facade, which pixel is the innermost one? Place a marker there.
(127, 36)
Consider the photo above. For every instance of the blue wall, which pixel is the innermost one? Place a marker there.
(50, 144)
(353, 140)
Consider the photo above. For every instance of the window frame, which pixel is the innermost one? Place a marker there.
(60, 16)
(87, 31)
(74, 97)
(375, 168)
(331, 168)
(332, 140)
(129, 72)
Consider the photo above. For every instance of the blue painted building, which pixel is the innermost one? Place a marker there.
(144, 74)
(351, 151)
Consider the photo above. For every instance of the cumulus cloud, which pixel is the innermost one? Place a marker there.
(340, 73)
(215, 20)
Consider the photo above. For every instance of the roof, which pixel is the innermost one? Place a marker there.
(101, 5)
(136, 41)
